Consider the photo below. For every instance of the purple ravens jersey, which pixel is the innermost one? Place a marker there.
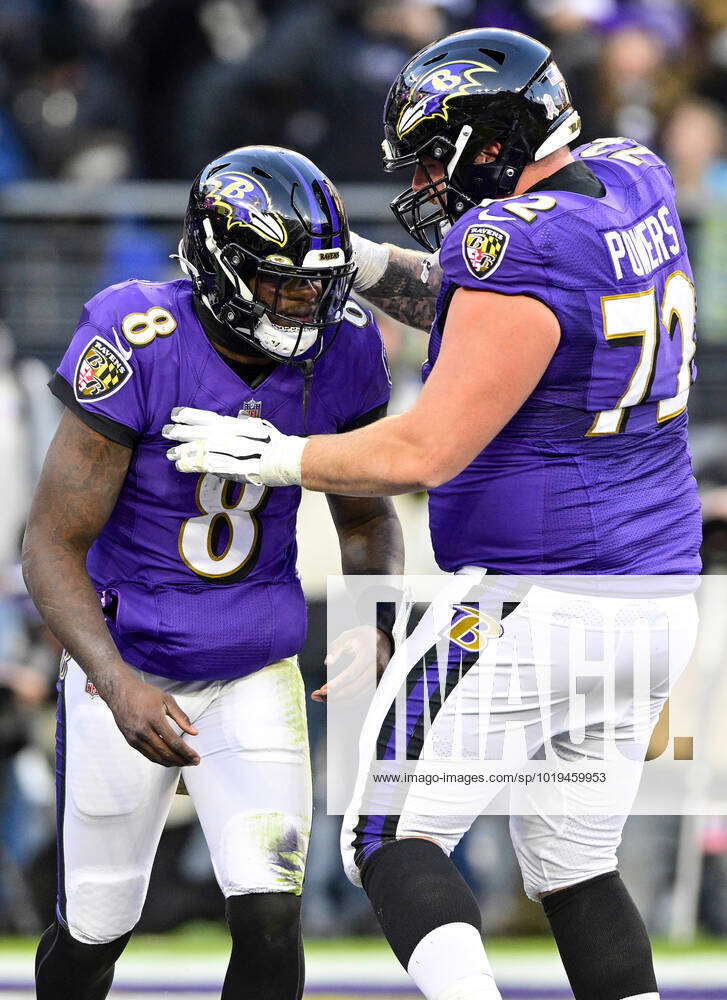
(198, 574)
(593, 474)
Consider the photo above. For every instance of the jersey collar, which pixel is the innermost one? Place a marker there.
(575, 177)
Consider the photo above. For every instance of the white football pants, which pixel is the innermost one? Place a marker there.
(251, 790)
(556, 847)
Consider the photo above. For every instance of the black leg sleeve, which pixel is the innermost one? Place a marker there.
(267, 947)
(602, 939)
(66, 969)
(415, 888)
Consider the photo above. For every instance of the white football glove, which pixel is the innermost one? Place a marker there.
(242, 448)
(371, 260)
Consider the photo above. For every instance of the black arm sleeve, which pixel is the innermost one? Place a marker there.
(111, 429)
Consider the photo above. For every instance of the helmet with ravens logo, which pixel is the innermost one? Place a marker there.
(452, 100)
(267, 246)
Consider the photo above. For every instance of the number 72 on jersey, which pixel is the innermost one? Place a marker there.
(643, 317)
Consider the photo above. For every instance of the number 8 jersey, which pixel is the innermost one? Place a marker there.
(198, 574)
(593, 474)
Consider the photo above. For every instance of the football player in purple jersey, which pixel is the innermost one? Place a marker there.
(551, 434)
(177, 598)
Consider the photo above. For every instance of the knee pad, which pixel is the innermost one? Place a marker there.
(363, 836)
(251, 860)
(555, 852)
(99, 912)
(409, 870)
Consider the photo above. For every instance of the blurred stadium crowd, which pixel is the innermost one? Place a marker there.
(107, 91)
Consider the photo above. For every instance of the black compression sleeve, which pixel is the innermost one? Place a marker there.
(602, 940)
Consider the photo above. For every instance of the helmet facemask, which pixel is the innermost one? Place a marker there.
(259, 299)
(429, 212)
(267, 246)
(452, 101)
(426, 213)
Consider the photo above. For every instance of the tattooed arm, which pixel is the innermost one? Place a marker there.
(79, 485)
(399, 291)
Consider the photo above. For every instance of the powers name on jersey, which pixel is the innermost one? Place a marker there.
(645, 246)
(593, 474)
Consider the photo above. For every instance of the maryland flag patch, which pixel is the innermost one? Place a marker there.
(100, 372)
(484, 248)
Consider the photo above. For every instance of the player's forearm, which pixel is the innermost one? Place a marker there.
(374, 546)
(56, 578)
(387, 458)
(402, 293)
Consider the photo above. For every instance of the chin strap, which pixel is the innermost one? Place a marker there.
(459, 147)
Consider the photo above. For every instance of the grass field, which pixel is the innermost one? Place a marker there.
(189, 965)
(211, 939)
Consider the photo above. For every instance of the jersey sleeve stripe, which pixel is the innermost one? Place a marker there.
(99, 422)
(365, 418)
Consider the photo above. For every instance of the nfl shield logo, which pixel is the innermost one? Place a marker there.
(252, 408)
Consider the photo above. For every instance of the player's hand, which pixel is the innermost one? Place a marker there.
(371, 261)
(243, 448)
(142, 713)
(351, 652)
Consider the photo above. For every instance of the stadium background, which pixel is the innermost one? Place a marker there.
(107, 110)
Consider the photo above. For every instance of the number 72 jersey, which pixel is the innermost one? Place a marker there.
(593, 474)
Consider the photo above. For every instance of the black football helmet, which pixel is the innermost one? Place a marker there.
(262, 221)
(453, 99)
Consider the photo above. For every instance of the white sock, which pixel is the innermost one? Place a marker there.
(644, 996)
(450, 964)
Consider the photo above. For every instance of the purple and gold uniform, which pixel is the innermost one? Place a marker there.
(593, 474)
(198, 575)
